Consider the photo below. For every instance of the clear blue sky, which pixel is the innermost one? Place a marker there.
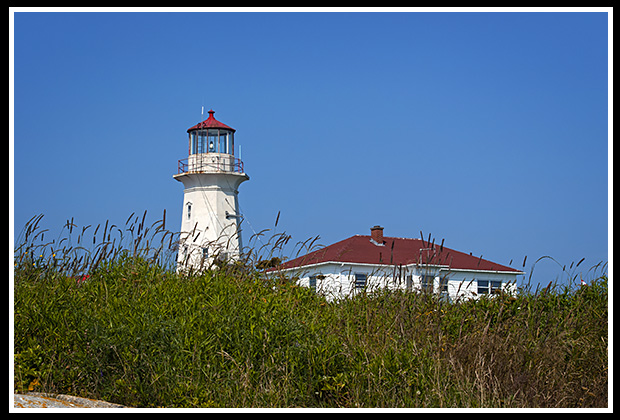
(487, 129)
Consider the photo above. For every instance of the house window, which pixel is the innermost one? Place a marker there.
(488, 287)
(427, 281)
(360, 280)
(312, 282)
(409, 282)
(443, 284)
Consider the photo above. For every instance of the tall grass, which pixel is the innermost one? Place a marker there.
(117, 322)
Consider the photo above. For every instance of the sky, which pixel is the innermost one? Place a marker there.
(488, 130)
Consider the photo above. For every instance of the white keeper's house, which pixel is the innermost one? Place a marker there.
(369, 262)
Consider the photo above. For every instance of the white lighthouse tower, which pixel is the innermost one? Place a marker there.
(211, 175)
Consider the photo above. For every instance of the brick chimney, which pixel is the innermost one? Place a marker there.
(376, 234)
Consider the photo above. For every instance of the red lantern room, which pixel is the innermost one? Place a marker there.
(211, 136)
(211, 148)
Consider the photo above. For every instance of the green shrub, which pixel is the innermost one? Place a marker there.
(132, 331)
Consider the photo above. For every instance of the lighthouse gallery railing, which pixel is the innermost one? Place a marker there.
(210, 162)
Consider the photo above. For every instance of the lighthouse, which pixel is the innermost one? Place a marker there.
(211, 175)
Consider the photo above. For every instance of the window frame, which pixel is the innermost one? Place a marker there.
(188, 206)
(312, 281)
(489, 287)
(356, 280)
(443, 284)
(427, 283)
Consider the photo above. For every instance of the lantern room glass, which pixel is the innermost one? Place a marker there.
(213, 140)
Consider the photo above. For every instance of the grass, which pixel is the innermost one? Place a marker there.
(118, 323)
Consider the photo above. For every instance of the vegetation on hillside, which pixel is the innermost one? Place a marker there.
(114, 321)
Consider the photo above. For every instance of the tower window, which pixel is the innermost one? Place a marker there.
(189, 211)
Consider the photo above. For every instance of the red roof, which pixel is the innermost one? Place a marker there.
(395, 251)
(210, 122)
